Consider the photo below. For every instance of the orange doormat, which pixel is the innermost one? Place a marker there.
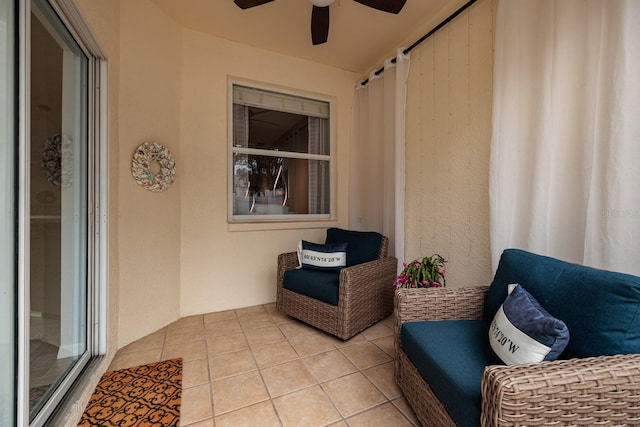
(142, 396)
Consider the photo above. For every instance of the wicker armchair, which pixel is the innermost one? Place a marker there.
(365, 296)
(591, 391)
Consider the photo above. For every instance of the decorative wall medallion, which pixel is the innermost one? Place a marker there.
(152, 166)
(56, 160)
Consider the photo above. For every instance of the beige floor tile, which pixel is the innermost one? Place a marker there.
(296, 328)
(381, 416)
(378, 330)
(365, 355)
(195, 373)
(389, 321)
(329, 365)
(286, 378)
(237, 392)
(257, 365)
(383, 377)
(128, 360)
(270, 307)
(195, 405)
(261, 414)
(188, 351)
(356, 339)
(251, 311)
(229, 364)
(275, 313)
(386, 344)
(306, 345)
(403, 406)
(220, 316)
(203, 423)
(187, 322)
(308, 407)
(151, 341)
(226, 343)
(256, 321)
(183, 335)
(263, 336)
(223, 327)
(274, 354)
(353, 394)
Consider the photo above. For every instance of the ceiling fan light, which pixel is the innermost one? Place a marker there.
(321, 3)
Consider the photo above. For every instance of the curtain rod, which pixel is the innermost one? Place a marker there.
(423, 38)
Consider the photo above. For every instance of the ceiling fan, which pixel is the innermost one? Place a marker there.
(320, 13)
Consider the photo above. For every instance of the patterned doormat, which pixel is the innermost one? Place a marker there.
(142, 396)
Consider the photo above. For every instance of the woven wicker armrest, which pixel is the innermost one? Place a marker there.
(439, 303)
(592, 391)
(364, 285)
(360, 278)
(286, 261)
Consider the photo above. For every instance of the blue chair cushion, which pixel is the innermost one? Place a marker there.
(321, 285)
(451, 356)
(600, 308)
(362, 246)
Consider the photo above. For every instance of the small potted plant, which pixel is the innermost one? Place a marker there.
(427, 272)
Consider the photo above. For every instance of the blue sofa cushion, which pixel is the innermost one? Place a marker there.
(328, 257)
(600, 308)
(451, 356)
(321, 285)
(523, 332)
(362, 246)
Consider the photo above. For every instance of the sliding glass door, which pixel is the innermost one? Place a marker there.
(58, 205)
(8, 261)
(52, 230)
(58, 237)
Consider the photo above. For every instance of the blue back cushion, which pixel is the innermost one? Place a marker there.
(451, 356)
(362, 246)
(321, 285)
(600, 308)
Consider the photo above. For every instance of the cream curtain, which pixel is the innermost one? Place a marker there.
(376, 179)
(565, 149)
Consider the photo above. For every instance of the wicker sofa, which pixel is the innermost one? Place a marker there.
(363, 291)
(580, 388)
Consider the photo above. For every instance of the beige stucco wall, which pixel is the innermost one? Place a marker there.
(149, 223)
(223, 265)
(448, 143)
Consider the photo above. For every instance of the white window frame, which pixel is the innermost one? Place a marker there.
(331, 158)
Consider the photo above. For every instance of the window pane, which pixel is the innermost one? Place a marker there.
(265, 129)
(266, 185)
(7, 218)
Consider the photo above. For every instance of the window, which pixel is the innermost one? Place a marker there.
(281, 161)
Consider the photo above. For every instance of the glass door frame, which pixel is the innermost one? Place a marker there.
(97, 203)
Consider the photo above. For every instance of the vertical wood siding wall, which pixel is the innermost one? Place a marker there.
(449, 101)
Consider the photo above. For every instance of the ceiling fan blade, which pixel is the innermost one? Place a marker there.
(319, 24)
(246, 4)
(391, 6)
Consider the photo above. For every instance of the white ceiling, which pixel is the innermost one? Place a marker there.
(359, 37)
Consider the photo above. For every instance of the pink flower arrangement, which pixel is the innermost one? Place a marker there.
(427, 272)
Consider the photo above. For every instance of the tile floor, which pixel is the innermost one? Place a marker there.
(257, 367)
